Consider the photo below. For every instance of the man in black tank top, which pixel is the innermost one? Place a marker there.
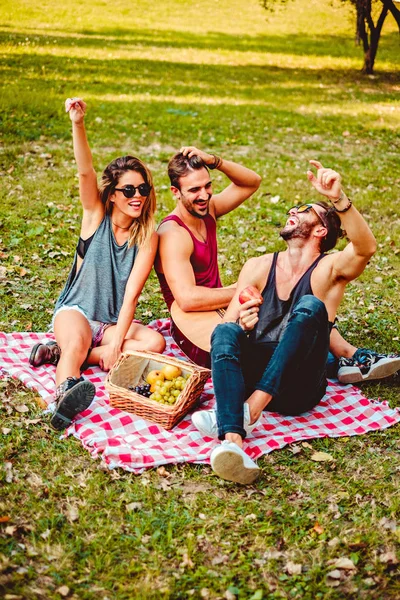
(271, 351)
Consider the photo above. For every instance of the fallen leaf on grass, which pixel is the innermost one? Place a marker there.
(5, 430)
(321, 457)
(63, 590)
(306, 445)
(192, 487)
(333, 578)
(388, 524)
(162, 471)
(45, 534)
(317, 527)
(133, 506)
(35, 480)
(293, 568)
(21, 408)
(9, 473)
(335, 574)
(389, 558)
(295, 449)
(72, 514)
(5, 519)
(10, 530)
(343, 563)
(186, 561)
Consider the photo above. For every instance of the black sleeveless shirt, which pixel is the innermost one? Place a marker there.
(274, 312)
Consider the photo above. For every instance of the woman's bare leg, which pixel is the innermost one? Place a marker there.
(74, 336)
(139, 337)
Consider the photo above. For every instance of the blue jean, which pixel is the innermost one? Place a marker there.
(292, 370)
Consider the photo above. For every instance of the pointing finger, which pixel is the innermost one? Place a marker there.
(316, 164)
(311, 177)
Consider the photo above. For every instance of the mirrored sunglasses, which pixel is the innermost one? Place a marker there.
(306, 208)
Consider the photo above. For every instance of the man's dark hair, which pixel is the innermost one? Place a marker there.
(334, 227)
(180, 165)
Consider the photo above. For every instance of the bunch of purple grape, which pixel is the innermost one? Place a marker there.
(143, 390)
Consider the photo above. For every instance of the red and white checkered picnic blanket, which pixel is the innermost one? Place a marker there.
(124, 440)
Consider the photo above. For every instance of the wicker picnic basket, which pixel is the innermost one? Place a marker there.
(131, 369)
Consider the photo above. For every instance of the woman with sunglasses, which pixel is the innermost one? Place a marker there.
(93, 317)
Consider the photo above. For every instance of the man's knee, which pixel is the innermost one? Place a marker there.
(225, 340)
(310, 307)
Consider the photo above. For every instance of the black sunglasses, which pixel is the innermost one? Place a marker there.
(306, 208)
(130, 190)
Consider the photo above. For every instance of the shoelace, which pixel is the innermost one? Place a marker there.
(367, 358)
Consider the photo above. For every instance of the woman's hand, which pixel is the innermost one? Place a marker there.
(109, 357)
(248, 315)
(76, 108)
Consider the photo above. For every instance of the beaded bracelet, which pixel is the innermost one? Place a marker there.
(216, 164)
(345, 209)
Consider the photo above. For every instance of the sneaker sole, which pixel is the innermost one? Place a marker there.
(350, 375)
(230, 466)
(383, 368)
(75, 401)
(33, 352)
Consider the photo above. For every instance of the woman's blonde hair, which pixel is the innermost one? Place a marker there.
(143, 227)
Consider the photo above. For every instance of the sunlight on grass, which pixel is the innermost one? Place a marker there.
(270, 91)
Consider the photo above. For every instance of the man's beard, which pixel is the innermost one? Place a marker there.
(301, 232)
(190, 207)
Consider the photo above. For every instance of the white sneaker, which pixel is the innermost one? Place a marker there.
(230, 462)
(206, 421)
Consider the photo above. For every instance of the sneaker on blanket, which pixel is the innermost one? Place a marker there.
(366, 365)
(206, 421)
(232, 463)
(73, 396)
(45, 354)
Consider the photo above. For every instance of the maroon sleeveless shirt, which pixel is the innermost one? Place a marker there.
(204, 258)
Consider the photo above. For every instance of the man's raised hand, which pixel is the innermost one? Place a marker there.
(327, 181)
(76, 108)
(189, 151)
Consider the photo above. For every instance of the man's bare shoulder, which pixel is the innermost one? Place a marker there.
(256, 269)
(170, 225)
(174, 238)
(259, 263)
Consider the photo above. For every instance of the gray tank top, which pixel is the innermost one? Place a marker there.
(99, 286)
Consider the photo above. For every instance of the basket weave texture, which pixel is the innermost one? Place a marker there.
(131, 369)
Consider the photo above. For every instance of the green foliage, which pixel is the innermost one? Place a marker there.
(272, 97)
(369, 20)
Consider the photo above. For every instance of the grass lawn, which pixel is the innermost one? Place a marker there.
(268, 90)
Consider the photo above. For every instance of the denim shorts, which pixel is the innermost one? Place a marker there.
(98, 328)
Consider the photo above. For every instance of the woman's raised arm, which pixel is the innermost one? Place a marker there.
(88, 190)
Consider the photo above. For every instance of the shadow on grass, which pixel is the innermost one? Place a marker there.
(338, 46)
(171, 94)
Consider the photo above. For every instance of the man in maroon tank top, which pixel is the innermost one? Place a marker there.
(187, 260)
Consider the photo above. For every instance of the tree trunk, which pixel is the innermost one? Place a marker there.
(371, 46)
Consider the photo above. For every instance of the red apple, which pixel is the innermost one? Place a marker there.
(250, 293)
